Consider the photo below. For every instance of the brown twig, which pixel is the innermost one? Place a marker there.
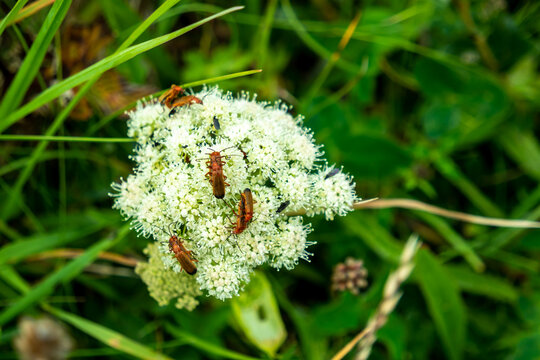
(421, 206)
(73, 253)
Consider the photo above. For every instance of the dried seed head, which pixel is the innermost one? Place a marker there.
(350, 275)
(42, 339)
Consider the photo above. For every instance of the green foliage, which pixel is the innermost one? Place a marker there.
(257, 315)
(434, 101)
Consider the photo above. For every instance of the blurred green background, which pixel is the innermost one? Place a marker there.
(434, 100)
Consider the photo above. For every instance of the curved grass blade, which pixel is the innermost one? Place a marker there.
(91, 73)
(64, 274)
(146, 23)
(312, 43)
(32, 62)
(110, 337)
(11, 15)
(456, 240)
(205, 345)
(19, 250)
(100, 67)
(63, 138)
(104, 121)
(30, 10)
(444, 303)
(13, 278)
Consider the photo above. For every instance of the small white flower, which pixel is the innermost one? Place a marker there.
(267, 151)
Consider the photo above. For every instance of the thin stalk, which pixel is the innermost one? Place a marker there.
(64, 138)
(74, 253)
(30, 10)
(418, 205)
(323, 75)
(11, 15)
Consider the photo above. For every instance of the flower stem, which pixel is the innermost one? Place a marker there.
(377, 203)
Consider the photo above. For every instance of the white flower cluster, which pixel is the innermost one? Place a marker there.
(264, 148)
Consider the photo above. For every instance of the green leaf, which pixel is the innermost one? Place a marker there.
(314, 347)
(527, 348)
(436, 79)
(340, 316)
(205, 345)
(374, 157)
(440, 119)
(376, 237)
(507, 34)
(393, 335)
(455, 239)
(99, 68)
(257, 315)
(32, 62)
(64, 274)
(444, 302)
(482, 284)
(108, 336)
(523, 147)
(450, 171)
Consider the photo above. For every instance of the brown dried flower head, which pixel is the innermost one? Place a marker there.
(42, 339)
(350, 275)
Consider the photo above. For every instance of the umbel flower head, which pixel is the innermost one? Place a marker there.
(264, 149)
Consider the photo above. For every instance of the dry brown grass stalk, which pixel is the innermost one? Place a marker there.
(391, 295)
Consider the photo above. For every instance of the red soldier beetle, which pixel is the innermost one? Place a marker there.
(183, 255)
(215, 172)
(248, 204)
(183, 101)
(170, 95)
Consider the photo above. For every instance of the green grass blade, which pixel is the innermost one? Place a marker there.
(11, 15)
(91, 75)
(11, 277)
(205, 345)
(63, 138)
(19, 250)
(146, 23)
(50, 155)
(312, 43)
(457, 242)
(523, 147)
(104, 121)
(32, 62)
(64, 274)
(100, 67)
(451, 172)
(30, 10)
(483, 284)
(375, 236)
(314, 347)
(107, 336)
(444, 302)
